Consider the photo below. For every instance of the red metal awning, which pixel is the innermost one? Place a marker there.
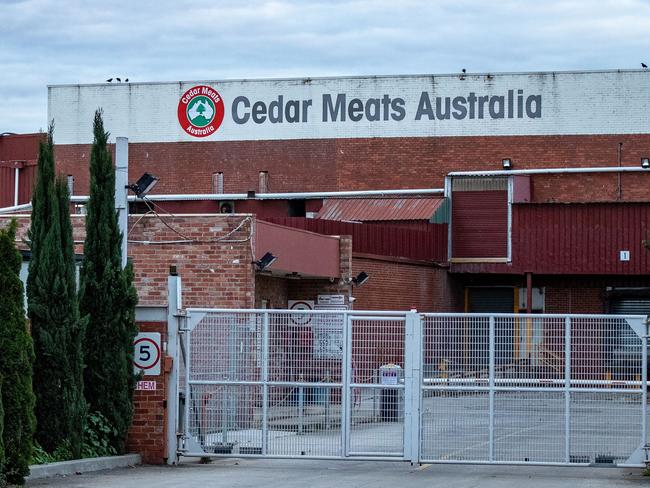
(298, 251)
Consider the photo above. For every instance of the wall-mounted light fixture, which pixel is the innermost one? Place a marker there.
(507, 163)
(144, 185)
(645, 163)
(360, 279)
(265, 261)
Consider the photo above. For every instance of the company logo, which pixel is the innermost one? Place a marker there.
(200, 111)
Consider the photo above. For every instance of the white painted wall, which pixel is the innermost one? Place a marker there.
(608, 102)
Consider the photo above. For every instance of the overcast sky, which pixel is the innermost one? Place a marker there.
(85, 41)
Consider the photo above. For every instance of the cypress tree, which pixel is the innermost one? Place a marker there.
(107, 298)
(2, 444)
(75, 328)
(16, 363)
(54, 313)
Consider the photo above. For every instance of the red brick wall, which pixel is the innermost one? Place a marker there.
(396, 284)
(272, 289)
(215, 274)
(378, 163)
(574, 300)
(147, 433)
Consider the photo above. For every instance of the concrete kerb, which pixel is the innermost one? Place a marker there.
(65, 468)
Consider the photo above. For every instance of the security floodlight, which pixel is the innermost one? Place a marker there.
(265, 261)
(360, 279)
(144, 185)
(645, 163)
(507, 164)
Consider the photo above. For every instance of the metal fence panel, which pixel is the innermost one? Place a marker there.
(501, 388)
(291, 384)
(376, 420)
(548, 389)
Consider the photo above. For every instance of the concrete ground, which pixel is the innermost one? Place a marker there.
(273, 473)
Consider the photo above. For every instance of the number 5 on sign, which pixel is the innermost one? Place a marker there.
(146, 354)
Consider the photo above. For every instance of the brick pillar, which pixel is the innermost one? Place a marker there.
(147, 433)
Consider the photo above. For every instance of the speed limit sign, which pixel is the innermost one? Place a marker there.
(146, 354)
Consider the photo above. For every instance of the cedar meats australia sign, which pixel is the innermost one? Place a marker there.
(507, 104)
(201, 108)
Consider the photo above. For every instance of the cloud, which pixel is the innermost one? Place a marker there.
(74, 41)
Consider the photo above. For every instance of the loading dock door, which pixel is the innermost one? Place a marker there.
(493, 300)
(630, 305)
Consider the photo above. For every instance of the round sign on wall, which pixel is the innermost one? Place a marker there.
(301, 319)
(200, 111)
(146, 356)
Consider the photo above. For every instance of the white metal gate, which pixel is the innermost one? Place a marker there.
(476, 388)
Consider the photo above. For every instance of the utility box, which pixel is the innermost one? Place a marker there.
(392, 399)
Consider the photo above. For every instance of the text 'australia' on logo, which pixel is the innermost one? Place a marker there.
(200, 111)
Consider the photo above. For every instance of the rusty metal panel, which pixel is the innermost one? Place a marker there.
(582, 238)
(7, 189)
(378, 209)
(20, 147)
(26, 182)
(384, 240)
(480, 224)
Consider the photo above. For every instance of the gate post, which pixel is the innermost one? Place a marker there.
(174, 305)
(641, 456)
(412, 385)
(567, 390)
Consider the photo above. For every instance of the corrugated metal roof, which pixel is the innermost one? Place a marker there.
(370, 209)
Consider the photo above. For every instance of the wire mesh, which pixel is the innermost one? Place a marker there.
(605, 352)
(224, 419)
(454, 425)
(501, 388)
(455, 350)
(377, 386)
(529, 426)
(605, 426)
(550, 389)
(226, 347)
(304, 421)
(529, 351)
(305, 347)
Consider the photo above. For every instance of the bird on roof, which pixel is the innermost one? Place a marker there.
(644, 66)
(118, 80)
(109, 80)
(126, 80)
(464, 70)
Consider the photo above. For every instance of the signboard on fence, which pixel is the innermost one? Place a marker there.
(328, 332)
